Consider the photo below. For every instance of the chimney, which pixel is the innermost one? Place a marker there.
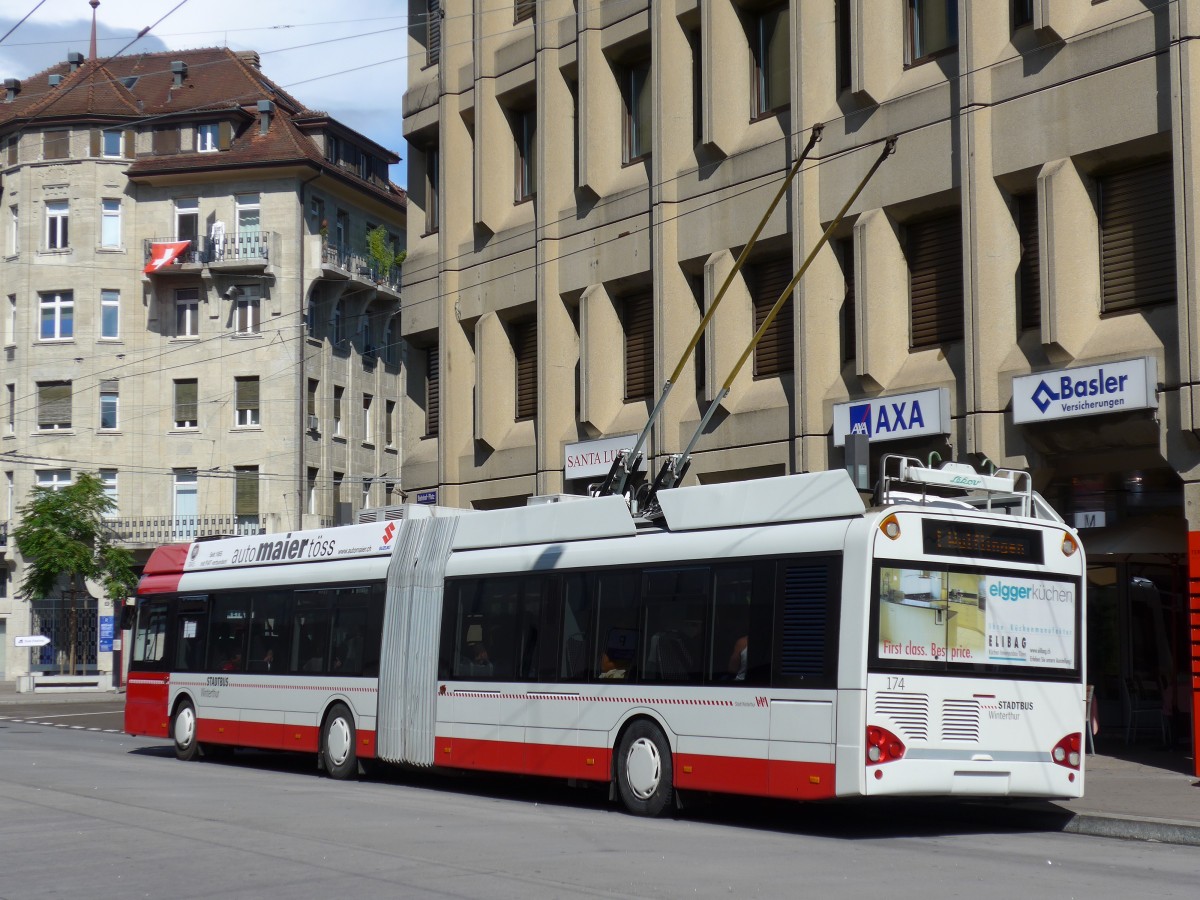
(265, 108)
(74, 59)
(12, 87)
(250, 58)
(179, 71)
(55, 80)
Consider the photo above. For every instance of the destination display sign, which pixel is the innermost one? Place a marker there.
(971, 539)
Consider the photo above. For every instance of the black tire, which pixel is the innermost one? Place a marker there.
(183, 731)
(644, 770)
(338, 738)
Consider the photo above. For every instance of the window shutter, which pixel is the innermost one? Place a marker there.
(935, 280)
(1137, 238)
(433, 391)
(1029, 271)
(525, 344)
(224, 135)
(638, 321)
(56, 144)
(130, 143)
(14, 142)
(166, 140)
(849, 335)
(186, 404)
(245, 501)
(54, 404)
(433, 31)
(109, 386)
(247, 393)
(767, 280)
(525, 9)
(94, 142)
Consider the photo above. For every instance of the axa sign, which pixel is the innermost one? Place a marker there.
(1086, 391)
(894, 417)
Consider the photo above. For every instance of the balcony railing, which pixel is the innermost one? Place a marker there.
(361, 265)
(250, 247)
(173, 529)
(3, 535)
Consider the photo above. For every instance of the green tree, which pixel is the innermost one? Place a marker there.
(63, 537)
(379, 249)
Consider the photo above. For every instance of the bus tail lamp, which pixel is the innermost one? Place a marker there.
(1066, 751)
(1069, 546)
(882, 746)
(890, 527)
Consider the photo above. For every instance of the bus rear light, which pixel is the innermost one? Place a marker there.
(1066, 751)
(890, 527)
(1068, 545)
(882, 746)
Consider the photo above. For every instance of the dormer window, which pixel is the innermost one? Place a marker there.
(208, 137)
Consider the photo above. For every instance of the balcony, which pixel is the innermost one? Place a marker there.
(233, 251)
(347, 263)
(155, 530)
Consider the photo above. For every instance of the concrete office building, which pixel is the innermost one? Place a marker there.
(247, 383)
(583, 176)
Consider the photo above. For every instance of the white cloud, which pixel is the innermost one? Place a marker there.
(305, 46)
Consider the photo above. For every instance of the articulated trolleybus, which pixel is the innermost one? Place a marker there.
(772, 638)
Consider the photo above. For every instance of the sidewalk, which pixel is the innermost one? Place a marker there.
(1135, 792)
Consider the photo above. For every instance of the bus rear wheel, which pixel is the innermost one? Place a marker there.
(644, 770)
(337, 743)
(183, 730)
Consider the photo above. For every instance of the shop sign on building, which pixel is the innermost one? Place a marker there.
(593, 459)
(1085, 391)
(893, 418)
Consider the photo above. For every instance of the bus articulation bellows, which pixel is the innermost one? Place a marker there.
(772, 638)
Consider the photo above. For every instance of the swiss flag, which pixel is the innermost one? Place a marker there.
(164, 254)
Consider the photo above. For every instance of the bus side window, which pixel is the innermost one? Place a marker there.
(676, 609)
(576, 624)
(150, 637)
(309, 646)
(733, 651)
(230, 627)
(267, 628)
(616, 626)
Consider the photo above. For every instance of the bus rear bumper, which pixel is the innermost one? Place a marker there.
(971, 778)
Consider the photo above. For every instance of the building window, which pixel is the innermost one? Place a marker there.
(389, 423)
(56, 144)
(525, 131)
(186, 403)
(433, 391)
(310, 404)
(14, 230)
(367, 432)
(433, 198)
(524, 338)
(1137, 238)
(187, 313)
(246, 402)
(767, 280)
(770, 54)
(109, 402)
(110, 314)
(10, 320)
(932, 29)
(53, 479)
(54, 405)
(166, 140)
(58, 217)
(108, 482)
(248, 216)
(186, 502)
(639, 109)
(934, 251)
(844, 43)
(57, 316)
(316, 212)
(110, 223)
(246, 312)
(208, 137)
(341, 232)
(524, 10)
(14, 144)
(110, 142)
(338, 391)
(187, 219)
(433, 32)
(637, 320)
(1022, 13)
(337, 325)
(845, 252)
(391, 341)
(366, 491)
(1029, 284)
(338, 478)
(10, 409)
(311, 489)
(245, 495)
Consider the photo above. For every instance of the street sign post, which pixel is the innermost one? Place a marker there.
(31, 640)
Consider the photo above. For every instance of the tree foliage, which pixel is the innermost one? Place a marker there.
(379, 248)
(63, 535)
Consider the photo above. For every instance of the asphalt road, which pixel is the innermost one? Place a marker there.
(94, 814)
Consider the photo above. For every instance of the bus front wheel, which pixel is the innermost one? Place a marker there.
(644, 770)
(183, 730)
(337, 743)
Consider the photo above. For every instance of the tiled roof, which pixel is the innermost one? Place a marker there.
(141, 89)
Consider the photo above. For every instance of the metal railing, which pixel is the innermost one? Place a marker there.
(361, 265)
(169, 529)
(248, 247)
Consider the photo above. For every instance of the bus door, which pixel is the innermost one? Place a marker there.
(146, 710)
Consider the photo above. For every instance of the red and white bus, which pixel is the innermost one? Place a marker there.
(772, 638)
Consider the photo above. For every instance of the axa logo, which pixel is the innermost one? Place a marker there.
(389, 532)
(860, 419)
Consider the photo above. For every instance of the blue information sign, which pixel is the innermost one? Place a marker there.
(427, 496)
(106, 634)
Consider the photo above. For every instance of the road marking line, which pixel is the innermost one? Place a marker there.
(75, 715)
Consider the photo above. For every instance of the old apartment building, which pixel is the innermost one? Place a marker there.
(191, 309)
(1017, 283)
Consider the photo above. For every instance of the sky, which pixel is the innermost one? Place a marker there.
(306, 47)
